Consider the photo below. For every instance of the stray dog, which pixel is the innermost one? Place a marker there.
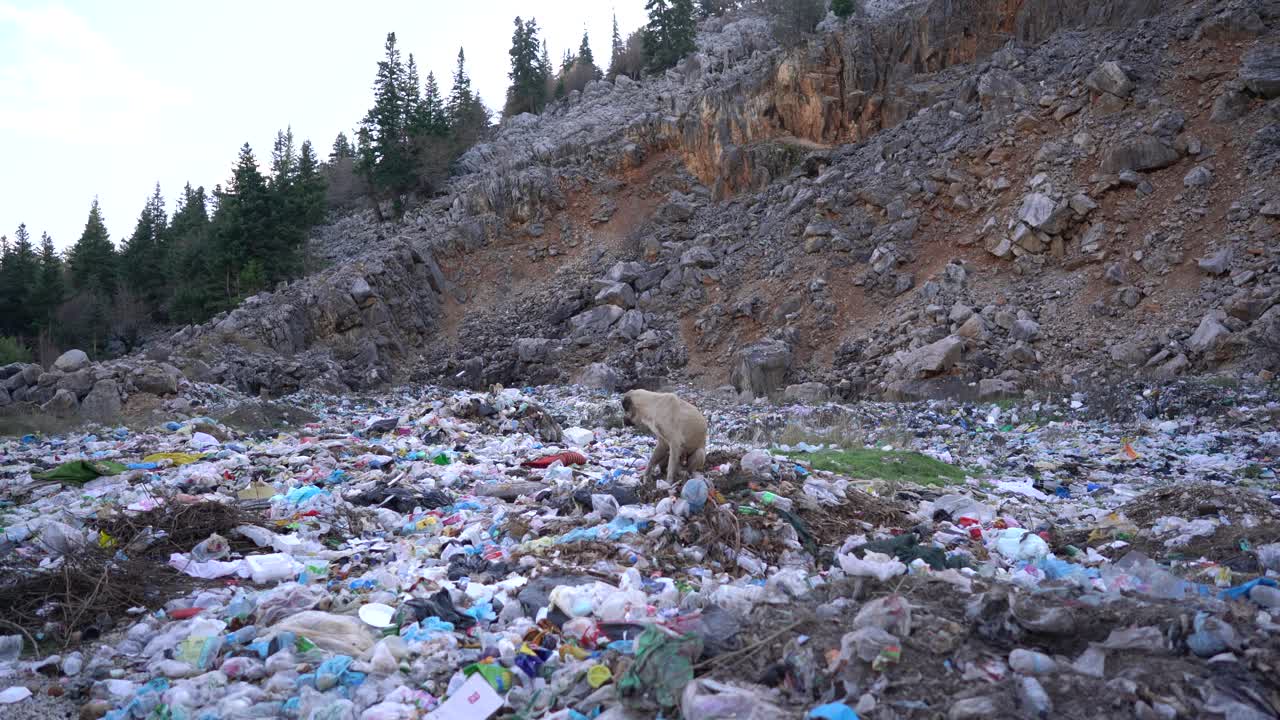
(679, 426)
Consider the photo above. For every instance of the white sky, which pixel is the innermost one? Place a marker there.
(107, 98)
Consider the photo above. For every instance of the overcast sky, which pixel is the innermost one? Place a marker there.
(107, 98)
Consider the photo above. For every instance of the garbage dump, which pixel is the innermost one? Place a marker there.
(431, 553)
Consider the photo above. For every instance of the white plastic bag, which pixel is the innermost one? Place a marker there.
(876, 565)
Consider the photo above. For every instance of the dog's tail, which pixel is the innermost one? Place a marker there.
(698, 460)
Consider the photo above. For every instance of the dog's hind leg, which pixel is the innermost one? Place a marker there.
(697, 460)
(659, 456)
(673, 464)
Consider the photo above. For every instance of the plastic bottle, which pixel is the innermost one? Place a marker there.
(768, 498)
(1030, 662)
(1033, 698)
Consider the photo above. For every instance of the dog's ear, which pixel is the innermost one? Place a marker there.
(626, 402)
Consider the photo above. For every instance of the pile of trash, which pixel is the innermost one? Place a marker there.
(449, 555)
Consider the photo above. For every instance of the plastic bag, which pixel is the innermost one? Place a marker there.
(578, 437)
(876, 565)
(1019, 544)
(757, 462)
(335, 633)
(662, 668)
(891, 613)
(215, 547)
(695, 493)
(606, 506)
(712, 700)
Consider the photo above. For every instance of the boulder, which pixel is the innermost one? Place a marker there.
(1142, 153)
(1230, 106)
(360, 290)
(103, 401)
(155, 379)
(600, 376)
(1199, 176)
(15, 381)
(994, 388)
(760, 368)
(79, 382)
(620, 294)
(932, 359)
(1260, 69)
(625, 272)
(697, 256)
(1210, 334)
(1036, 209)
(1265, 332)
(1115, 273)
(975, 327)
(1110, 78)
(1025, 329)
(535, 350)
(677, 209)
(70, 361)
(62, 404)
(32, 373)
(1082, 204)
(597, 320)
(631, 325)
(810, 393)
(1217, 263)
(997, 87)
(5, 398)
(11, 369)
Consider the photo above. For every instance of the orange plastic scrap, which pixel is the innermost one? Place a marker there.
(1129, 452)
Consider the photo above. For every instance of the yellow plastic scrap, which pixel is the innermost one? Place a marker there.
(105, 541)
(257, 490)
(1113, 527)
(178, 458)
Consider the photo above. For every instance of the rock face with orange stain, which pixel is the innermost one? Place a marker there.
(1055, 168)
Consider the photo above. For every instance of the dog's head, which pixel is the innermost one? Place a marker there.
(628, 409)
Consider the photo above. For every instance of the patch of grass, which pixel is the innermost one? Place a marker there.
(894, 466)
(12, 350)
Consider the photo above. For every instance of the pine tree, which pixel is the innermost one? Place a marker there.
(388, 163)
(415, 111)
(142, 255)
(243, 229)
(93, 257)
(310, 188)
(460, 97)
(51, 290)
(714, 8)
(19, 273)
(528, 84)
(341, 148)
(284, 156)
(468, 117)
(584, 50)
(544, 60)
(437, 120)
(669, 34)
(843, 9)
(191, 259)
(616, 49)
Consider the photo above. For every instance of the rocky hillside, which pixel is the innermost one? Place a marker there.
(969, 196)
